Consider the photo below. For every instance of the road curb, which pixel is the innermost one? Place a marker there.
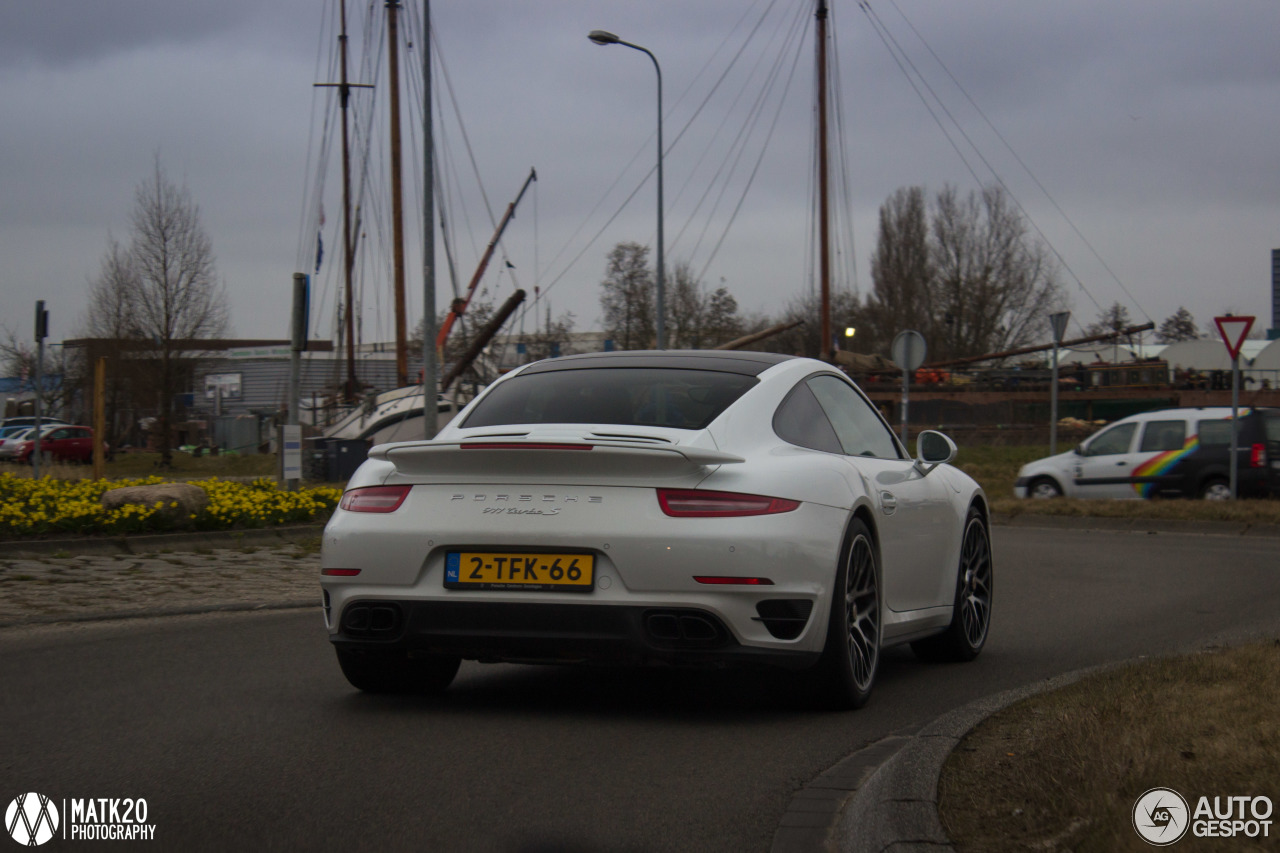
(151, 543)
(896, 808)
(1136, 525)
(155, 612)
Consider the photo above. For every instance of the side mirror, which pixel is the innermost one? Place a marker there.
(933, 449)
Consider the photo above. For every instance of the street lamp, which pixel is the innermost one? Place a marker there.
(602, 37)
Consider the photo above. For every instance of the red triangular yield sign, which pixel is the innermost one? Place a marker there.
(1234, 330)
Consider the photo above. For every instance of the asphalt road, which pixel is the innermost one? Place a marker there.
(239, 730)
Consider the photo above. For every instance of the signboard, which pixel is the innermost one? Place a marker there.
(908, 350)
(1233, 330)
(291, 452)
(1058, 324)
(228, 383)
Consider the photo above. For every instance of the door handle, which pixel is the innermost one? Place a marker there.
(1120, 463)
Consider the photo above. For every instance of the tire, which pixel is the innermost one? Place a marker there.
(396, 672)
(1215, 489)
(850, 659)
(1043, 488)
(971, 614)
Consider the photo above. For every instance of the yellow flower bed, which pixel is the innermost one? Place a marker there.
(31, 507)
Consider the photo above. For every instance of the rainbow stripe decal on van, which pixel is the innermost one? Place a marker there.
(1159, 465)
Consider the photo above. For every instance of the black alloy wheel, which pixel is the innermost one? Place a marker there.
(971, 613)
(851, 658)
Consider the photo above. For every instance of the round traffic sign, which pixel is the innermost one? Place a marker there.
(908, 350)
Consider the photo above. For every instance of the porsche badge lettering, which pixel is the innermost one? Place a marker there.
(501, 503)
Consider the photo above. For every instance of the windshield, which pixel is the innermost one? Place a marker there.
(631, 396)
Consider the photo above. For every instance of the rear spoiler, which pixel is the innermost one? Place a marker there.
(485, 456)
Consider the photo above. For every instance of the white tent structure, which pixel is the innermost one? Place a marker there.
(1265, 366)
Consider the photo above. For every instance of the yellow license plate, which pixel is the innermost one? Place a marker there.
(518, 571)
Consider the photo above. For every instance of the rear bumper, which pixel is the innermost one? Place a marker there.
(553, 633)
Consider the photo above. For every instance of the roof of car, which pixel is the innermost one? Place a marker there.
(1193, 411)
(745, 363)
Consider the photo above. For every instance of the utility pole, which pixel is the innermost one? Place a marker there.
(397, 192)
(99, 416)
(42, 331)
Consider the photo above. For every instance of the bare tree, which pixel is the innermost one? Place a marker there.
(173, 294)
(110, 323)
(18, 358)
(627, 297)
(698, 319)
(963, 272)
(994, 285)
(901, 272)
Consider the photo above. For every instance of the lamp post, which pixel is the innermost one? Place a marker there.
(602, 37)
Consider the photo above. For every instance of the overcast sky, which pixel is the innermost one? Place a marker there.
(1155, 127)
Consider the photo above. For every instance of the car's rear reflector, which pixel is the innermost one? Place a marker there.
(695, 503)
(522, 445)
(374, 499)
(340, 573)
(1258, 456)
(733, 580)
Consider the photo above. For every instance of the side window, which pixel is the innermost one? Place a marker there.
(1159, 436)
(1214, 433)
(800, 420)
(857, 424)
(1111, 441)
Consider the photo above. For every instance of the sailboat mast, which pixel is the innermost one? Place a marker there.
(348, 252)
(824, 239)
(397, 195)
(430, 364)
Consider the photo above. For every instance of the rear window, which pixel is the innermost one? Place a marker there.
(629, 396)
(1159, 436)
(1272, 426)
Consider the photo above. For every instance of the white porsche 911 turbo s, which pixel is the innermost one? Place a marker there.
(688, 508)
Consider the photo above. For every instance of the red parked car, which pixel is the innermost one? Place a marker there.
(62, 443)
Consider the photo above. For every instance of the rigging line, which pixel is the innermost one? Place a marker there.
(1019, 159)
(644, 146)
(846, 203)
(752, 122)
(763, 149)
(466, 139)
(723, 75)
(871, 14)
(711, 143)
(304, 221)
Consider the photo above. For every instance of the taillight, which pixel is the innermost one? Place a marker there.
(374, 499)
(340, 573)
(695, 503)
(1258, 456)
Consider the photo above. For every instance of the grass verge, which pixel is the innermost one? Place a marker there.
(1062, 771)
